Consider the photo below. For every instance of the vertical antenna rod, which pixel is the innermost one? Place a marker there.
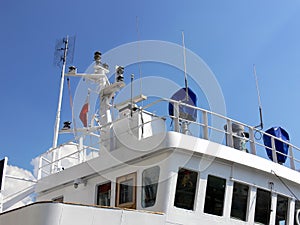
(131, 95)
(57, 121)
(139, 52)
(185, 76)
(261, 125)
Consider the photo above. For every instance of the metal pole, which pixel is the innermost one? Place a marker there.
(184, 63)
(57, 121)
(131, 93)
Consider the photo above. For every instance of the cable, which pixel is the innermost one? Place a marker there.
(285, 185)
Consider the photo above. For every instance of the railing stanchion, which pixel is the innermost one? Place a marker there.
(292, 162)
(229, 137)
(205, 125)
(274, 155)
(176, 115)
(53, 161)
(80, 150)
(40, 168)
(252, 141)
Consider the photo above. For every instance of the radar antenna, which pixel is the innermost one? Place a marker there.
(261, 125)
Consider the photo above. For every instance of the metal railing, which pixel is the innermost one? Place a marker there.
(208, 125)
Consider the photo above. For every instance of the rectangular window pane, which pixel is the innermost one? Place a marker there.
(214, 197)
(281, 210)
(297, 213)
(239, 201)
(126, 191)
(186, 189)
(149, 189)
(262, 207)
(103, 194)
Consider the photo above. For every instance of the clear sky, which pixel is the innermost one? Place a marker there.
(229, 35)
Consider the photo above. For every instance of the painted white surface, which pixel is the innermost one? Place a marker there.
(70, 214)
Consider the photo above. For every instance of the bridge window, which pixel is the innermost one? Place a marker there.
(150, 183)
(239, 201)
(262, 207)
(281, 210)
(297, 213)
(126, 191)
(214, 197)
(186, 189)
(103, 194)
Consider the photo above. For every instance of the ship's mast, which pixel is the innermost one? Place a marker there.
(57, 121)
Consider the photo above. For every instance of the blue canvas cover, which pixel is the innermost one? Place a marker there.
(279, 145)
(184, 111)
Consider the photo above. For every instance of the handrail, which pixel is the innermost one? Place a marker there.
(204, 124)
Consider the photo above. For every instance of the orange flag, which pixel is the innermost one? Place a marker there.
(84, 112)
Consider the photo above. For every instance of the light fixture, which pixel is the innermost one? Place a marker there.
(72, 69)
(67, 125)
(119, 73)
(79, 181)
(97, 56)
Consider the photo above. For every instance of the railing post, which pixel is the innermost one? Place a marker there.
(252, 141)
(205, 125)
(176, 115)
(80, 151)
(229, 137)
(58, 155)
(274, 155)
(39, 175)
(292, 162)
(53, 161)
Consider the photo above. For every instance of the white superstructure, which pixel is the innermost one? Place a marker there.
(140, 171)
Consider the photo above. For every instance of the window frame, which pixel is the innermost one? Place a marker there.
(286, 215)
(207, 210)
(143, 192)
(247, 202)
(97, 192)
(270, 205)
(195, 191)
(119, 180)
(297, 207)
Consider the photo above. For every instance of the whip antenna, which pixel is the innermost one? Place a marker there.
(185, 76)
(261, 125)
(139, 52)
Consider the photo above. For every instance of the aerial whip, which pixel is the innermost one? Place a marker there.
(261, 125)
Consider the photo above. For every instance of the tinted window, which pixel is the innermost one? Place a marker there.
(214, 197)
(150, 183)
(262, 207)
(239, 201)
(281, 210)
(186, 189)
(103, 194)
(297, 213)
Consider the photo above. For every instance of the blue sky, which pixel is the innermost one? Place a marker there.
(230, 36)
